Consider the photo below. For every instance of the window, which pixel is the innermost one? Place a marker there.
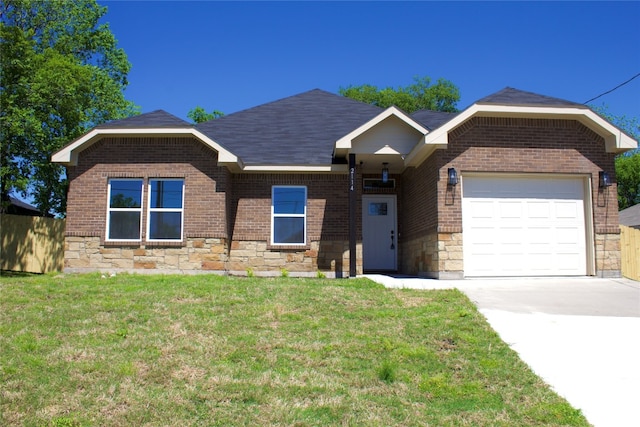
(166, 199)
(125, 209)
(289, 215)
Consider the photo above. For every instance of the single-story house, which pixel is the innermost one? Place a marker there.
(517, 184)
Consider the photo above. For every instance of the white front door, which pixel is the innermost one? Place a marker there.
(379, 232)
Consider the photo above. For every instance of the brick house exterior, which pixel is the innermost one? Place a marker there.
(329, 152)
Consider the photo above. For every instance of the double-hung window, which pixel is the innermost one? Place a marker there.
(124, 220)
(289, 215)
(166, 212)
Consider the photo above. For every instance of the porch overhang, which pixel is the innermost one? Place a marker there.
(387, 138)
(345, 145)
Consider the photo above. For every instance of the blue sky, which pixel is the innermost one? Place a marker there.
(230, 56)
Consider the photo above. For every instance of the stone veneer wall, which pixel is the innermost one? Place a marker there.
(254, 257)
(86, 254)
(608, 255)
(437, 255)
(209, 255)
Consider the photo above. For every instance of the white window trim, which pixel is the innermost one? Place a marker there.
(110, 209)
(275, 215)
(150, 210)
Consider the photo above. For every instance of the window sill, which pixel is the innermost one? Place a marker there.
(276, 247)
(121, 243)
(166, 243)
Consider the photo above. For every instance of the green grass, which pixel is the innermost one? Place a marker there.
(218, 351)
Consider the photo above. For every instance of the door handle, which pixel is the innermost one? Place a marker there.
(392, 245)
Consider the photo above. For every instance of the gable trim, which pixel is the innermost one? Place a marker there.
(616, 141)
(344, 144)
(69, 154)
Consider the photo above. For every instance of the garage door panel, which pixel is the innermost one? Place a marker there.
(568, 210)
(537, 209)
(523, 226)
(509, 209)
(482, 209)
(510, 235)
(538, 235)
(568, 236)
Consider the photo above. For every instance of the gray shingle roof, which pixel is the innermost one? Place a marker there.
(301, 129)
(511, 96)
(432, 119)
(154, 119)
(630, 216)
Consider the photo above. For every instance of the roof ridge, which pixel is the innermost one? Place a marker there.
(155, 118)
(513, 96)
(298, 95)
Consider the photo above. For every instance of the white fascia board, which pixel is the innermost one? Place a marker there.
(344, 143)
(296, 168)
(616, 141)
(69, 154)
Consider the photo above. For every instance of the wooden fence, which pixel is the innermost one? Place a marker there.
(31, 244)
(630, 247)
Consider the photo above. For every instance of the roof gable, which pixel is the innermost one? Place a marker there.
(155, 123)
(515, 103)
(298, 130)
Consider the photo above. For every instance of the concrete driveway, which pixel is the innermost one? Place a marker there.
(581, 335)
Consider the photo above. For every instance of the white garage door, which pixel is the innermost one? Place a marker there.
(523, 227)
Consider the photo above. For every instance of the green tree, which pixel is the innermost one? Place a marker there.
(61, 74)
(628, 179)
(627, 164)
(199, 115)
(421, 95)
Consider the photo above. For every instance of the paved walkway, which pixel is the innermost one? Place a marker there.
(581, 335)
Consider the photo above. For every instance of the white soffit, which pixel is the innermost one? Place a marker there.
(69, 154)
(616, 141)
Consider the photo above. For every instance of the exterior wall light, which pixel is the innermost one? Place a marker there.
(385, 172)
(452, 177)
(605, 179)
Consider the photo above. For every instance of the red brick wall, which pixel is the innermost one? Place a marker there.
(525, 145)
(205, 182)
(327, 205)
(419, 214)
(431, 208)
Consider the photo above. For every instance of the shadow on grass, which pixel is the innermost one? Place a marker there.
(9, 273)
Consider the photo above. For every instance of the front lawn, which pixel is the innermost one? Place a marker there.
(82, 350)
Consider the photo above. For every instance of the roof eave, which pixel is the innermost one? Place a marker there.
(616, 141)
(68, 155)
(292, 168)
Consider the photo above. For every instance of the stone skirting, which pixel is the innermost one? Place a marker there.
(83, 254)
(608, 255)
(437, 255)
(329, 259)
(211, 255)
